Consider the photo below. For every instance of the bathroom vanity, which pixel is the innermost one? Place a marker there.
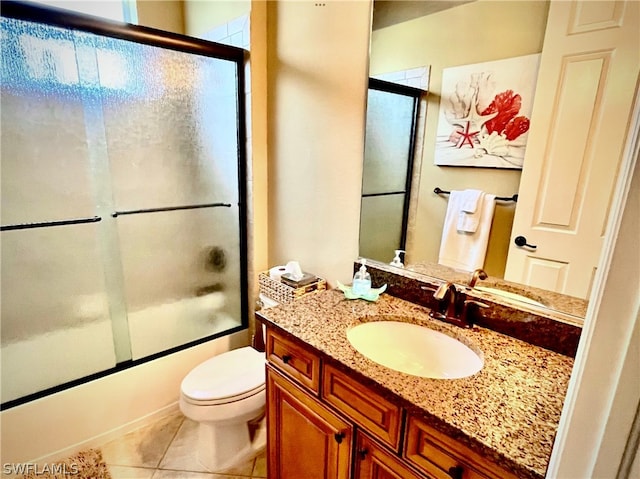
(334, 413)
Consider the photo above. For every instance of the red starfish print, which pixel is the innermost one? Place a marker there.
(466, 136)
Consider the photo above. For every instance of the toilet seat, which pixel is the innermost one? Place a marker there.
(220, 401)
(226, 378)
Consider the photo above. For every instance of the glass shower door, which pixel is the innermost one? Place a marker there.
(172, 145)
(55, 316)
(123, 211)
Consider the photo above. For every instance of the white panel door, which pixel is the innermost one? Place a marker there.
(584, 97)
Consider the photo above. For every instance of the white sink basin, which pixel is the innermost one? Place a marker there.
(414, 349)
(509, 295)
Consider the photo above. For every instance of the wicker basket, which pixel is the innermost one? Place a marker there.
(284, 293)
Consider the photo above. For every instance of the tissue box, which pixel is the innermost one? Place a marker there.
(298, 283)
(284, 293)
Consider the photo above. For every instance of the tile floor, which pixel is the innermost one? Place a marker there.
(166, 450)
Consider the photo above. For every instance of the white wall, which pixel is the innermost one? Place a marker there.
(317, 67)
(93, 413)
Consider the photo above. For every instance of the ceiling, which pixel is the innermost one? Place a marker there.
(390, 12)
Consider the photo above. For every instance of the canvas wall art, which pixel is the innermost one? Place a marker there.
(485, 113)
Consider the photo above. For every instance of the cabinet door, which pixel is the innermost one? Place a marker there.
(374, 462)
(305, 439)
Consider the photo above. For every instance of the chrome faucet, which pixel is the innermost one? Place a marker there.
(476, 275)
(457, 305)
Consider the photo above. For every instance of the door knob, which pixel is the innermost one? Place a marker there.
(456, 472)
(522, 241)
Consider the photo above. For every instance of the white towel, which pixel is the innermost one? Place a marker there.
(471, 200)
(470, 213)
(461, 250)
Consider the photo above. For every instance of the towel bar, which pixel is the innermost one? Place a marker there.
(438, 191)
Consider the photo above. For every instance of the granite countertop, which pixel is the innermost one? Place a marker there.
(508, 411)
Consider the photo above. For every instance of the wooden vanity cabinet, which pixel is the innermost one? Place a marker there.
(314, 410)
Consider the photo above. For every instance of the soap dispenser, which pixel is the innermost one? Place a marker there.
(361, 280)
(396, 260)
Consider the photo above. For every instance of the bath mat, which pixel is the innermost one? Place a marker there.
(84, 465)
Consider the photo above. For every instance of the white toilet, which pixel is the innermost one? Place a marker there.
(226, 394)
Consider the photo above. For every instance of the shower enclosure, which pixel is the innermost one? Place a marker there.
(123, 209)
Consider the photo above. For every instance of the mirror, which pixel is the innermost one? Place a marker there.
(408, 35)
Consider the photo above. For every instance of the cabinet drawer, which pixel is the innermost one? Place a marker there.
(298, 363)
(369, 409)
(441, 457)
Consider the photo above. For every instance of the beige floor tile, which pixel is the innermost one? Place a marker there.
(182, 453)
(169, 474)
(260, 466)
(127, 472)
(167, 450)
(144, 447)
(245, 469)
(4, 475)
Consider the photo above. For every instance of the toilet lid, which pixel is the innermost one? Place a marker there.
(227, 375)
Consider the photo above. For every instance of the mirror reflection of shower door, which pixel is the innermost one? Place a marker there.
(392, 112)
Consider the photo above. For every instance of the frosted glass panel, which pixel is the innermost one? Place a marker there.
(92, 126)
(388, 138)
(45, 172)
(181, 276)
(55, 318)
(170, 118)
(381, 226)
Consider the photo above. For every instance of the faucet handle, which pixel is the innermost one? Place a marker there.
(476, 303)
(428, 288)
(465, 316)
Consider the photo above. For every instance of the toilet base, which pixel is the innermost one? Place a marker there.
(224, 446)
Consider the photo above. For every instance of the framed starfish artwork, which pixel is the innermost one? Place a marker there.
(485, 112)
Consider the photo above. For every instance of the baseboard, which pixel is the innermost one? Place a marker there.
(101, 439)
